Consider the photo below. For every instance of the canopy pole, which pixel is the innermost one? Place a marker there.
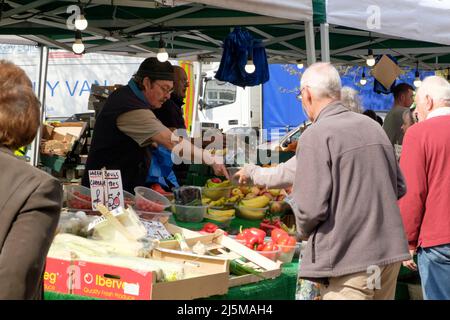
(196, 128)
(325, 41)
(43, 66)
(310, 42)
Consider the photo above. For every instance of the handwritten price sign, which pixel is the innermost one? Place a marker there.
(106, 188)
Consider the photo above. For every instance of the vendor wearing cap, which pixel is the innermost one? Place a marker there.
(126, 126)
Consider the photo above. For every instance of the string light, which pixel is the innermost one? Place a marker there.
(250, 66)
(417, 81)
(363, 79)
(80, 21)
(78, 46)
(162, 55)
(370, 59)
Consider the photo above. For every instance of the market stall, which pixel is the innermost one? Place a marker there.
(215, 204)
(162, 247)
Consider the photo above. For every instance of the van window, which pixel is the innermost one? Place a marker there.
(218, 93)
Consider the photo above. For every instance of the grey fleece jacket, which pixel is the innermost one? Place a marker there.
(346, 195)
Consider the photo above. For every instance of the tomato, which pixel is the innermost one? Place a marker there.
(149, 206)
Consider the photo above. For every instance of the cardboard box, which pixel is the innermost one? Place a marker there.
(117, 283)
(227, 248)
(59, 138)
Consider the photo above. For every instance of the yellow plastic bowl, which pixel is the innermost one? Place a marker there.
(251, 213)
(216, 193)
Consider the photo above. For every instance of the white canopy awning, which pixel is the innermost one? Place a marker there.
(423, 20)
(298, 10)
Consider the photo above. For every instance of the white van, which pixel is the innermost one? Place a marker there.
(228, 105)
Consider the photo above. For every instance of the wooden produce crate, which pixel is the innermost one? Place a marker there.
(224, 247)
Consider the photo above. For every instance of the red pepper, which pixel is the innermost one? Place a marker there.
(287, 242)
(270, 246)
(210, 227)
(241, 236)
(252, 237)
(260, 247)
(267, 228)
(277, 234)
(258, 233)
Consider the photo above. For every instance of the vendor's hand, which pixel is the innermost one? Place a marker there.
(410, 264)
(220, 170)
(241, 177)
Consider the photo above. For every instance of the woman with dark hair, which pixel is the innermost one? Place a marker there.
(30, 201)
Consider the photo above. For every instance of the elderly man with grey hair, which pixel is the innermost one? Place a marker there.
(425, 207)
(350, 99)
(345, 200)
(346, 185)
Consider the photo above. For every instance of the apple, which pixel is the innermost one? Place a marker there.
(216, 180)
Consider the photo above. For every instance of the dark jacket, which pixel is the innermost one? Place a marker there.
(171, 113)
(113, 149)
(345, 191)
(30, 205)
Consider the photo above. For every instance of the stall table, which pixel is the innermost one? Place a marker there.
(284, 286)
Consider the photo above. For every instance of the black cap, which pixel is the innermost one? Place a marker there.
(155, 70)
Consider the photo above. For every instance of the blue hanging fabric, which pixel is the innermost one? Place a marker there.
(237, 47)
(161, 168)
(377, 86)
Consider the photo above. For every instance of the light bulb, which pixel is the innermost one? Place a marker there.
(78, 46)
(300, 65)
(81, 22)
(162, 55)
(363, 81)
(370, 59)
(250, 67)
(417, 82)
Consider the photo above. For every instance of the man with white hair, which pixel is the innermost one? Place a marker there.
(425, 207)
(350, 99)
(345, 200)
